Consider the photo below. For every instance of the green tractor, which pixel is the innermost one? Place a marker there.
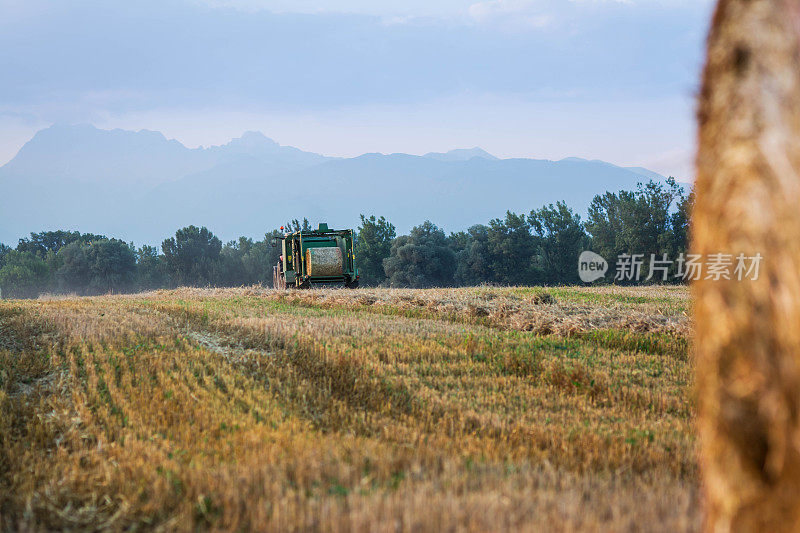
(315, 257)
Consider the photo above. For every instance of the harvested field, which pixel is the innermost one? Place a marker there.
(390, 410)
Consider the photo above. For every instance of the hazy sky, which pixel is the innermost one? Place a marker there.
(606, 79)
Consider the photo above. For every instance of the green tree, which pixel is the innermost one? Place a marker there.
(248, 262)
(151, 271)
(3, 252)
(73, 272)
(295, 225)
(512, 251)
(473, 265)
(23, 275)
(560, 239)
(634, 222)
(259, 260)
(192, 256)
(52, 241)
(112, 266)
(232, 271)
(373, 245)
(423, 258)
(680, 224)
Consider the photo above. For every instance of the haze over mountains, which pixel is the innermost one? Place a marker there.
(141, 187)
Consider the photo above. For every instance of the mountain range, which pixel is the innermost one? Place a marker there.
(141, 187)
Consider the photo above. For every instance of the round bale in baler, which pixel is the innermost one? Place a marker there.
(327, 261)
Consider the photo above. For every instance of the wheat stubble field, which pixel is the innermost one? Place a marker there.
(483, 409)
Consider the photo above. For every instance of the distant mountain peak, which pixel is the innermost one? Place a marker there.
(461, 154)
(257, 145)
(253, 139)
(65, 149)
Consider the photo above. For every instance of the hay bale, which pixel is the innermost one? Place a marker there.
(748, 332)
(325, 261)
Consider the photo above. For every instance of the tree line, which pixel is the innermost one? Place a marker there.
(537, 248)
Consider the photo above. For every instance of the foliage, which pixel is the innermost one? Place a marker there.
(637, 222)
(504, 252)
(472, 247)
(193, 256)
(151, 270)
(112, 266)
(99, 267)
(23, 275)
(373, 245)
(52, 241)
(3, 251)
(295, 225)
(73, 274)
(421, 259)
(245, 262)
(561, 239)
(512, 251)
(258, 260)
(680, 224)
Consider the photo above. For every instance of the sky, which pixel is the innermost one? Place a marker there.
(600, 79)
